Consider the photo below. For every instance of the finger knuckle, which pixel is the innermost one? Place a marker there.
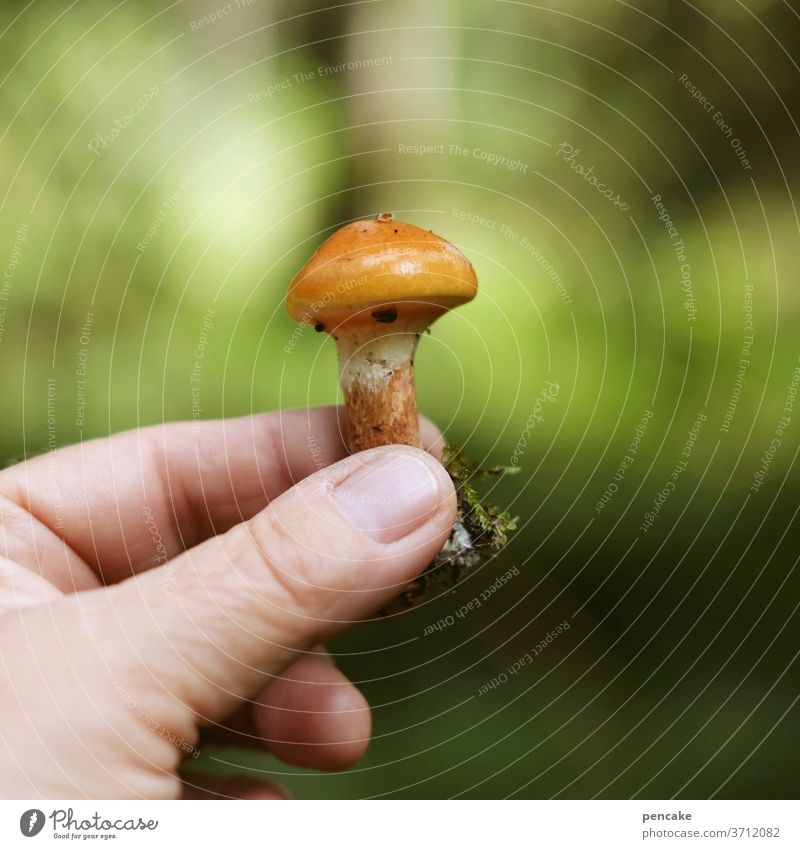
(284, 563)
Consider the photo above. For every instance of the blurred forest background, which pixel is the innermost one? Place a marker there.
(165, 169)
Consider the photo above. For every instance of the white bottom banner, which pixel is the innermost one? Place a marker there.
(390, 824)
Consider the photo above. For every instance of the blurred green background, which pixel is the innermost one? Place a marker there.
(164, 174)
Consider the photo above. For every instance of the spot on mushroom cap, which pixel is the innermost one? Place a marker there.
(381, 262)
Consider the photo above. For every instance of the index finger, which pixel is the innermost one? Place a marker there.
(134, 500)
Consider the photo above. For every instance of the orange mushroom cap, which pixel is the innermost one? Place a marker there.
(381, 265)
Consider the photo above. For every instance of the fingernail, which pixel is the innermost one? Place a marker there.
(389, 497)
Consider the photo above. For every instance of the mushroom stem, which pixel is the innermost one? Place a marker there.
(376, 370)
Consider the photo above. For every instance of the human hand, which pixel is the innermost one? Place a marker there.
(175, 580)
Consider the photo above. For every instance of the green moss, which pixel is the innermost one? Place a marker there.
(487, 525)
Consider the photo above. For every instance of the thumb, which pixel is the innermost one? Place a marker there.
(217, 621)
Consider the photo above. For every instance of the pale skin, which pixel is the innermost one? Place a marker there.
(172, 586)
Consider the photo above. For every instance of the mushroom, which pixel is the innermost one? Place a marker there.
(375, 286)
